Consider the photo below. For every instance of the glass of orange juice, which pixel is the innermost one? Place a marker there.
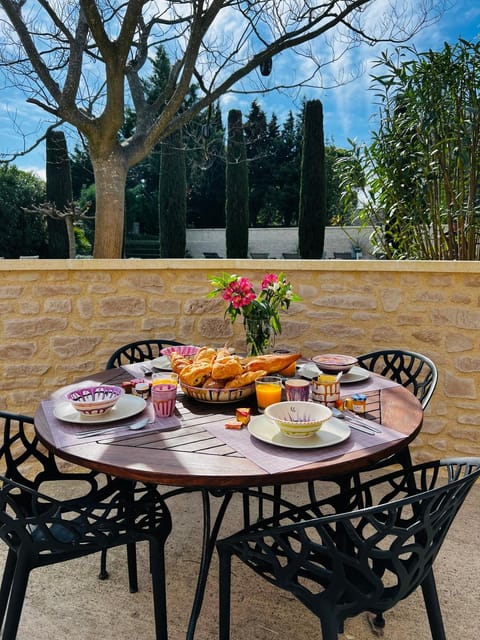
(165, 377)
(268, 391)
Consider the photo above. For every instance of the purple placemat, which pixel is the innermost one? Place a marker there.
(274, 459)
(65, 433)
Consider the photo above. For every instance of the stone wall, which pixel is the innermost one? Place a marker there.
(61, 319)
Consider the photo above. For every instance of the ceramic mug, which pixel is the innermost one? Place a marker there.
(326, 389)
(297, 389)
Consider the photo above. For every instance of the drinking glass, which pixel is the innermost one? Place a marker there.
(268, 391)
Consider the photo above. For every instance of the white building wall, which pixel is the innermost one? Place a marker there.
(279, 240)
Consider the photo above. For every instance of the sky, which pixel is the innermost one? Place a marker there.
(349, 109)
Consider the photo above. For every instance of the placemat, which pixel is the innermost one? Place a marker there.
(64, 433)
(275, 459)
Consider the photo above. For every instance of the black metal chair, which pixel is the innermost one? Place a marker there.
(342, 563)
(409, 368)
(41, 528)
(138, 352)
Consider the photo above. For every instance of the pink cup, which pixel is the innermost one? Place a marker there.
(297, 389)
(163, 399)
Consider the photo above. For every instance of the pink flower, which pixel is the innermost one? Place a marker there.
(268, 280)
(239, 293)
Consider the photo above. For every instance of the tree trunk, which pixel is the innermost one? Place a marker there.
(172, 198)
(59, 192)
(236, 205)
(312, 214)
(110, 180)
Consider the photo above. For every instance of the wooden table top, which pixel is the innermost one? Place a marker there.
(197, 459)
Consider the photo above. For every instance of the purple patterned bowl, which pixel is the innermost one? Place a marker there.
(334, 362)
(94, 401)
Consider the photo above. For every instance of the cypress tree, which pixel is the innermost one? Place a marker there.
(59, 193)
(172, 198)
(236, 205)
(312, 215)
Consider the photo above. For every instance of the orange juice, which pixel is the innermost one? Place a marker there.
(268, 391)
(165, 378)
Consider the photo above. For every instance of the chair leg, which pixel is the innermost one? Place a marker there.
(157, 569)
(132, 567)
(103, 575)
(330, 625)
(7, 579)
(224, 574)
(17, 597)
(432, 606)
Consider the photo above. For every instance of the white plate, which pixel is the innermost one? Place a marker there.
(333, 432)
(126, 407)
(162, 363)
(356, 374)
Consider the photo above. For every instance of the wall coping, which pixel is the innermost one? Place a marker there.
(232, 265)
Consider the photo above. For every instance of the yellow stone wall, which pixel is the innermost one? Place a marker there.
(61, 319)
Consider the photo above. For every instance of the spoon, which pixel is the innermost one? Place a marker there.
(135, 426)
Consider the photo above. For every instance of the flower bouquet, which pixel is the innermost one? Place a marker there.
(260, 312)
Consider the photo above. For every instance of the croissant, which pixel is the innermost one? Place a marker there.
(210, 383)
(244, 378)
(178, 362)
(195, 374)
(271, 363)
(205, 354)
(226, 367)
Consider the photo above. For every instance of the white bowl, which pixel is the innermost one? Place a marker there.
(334, 362)
(218, 395)
(96, 400)
(298, 419)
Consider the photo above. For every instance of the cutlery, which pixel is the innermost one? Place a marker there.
(134, 426)
(355, 421)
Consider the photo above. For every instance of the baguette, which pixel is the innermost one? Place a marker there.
(271, 363)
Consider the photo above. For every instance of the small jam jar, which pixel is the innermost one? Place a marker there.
(359, 402)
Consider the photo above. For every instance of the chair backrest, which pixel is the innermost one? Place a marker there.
(25, 461)
(370, 557)
(409, 368)
(21, 458)
(138, 352)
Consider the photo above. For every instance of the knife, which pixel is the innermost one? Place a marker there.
(138, 424)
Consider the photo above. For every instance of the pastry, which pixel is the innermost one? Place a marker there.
(210, 383)
(247, 377)
(271, 363)
(226, 366)
(195, 374)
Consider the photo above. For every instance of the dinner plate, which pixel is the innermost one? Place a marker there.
(162, 363)
(356, 374)
(126, 407)
(333, 432)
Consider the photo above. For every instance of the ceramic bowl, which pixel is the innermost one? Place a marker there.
(94, 401)
(187, 350)
(218, 395)
(334, 362)
(298, 419)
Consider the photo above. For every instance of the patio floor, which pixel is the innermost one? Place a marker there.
(68, 601)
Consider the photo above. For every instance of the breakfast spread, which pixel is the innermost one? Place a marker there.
(212, 368)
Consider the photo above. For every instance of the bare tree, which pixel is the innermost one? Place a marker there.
(83, 63)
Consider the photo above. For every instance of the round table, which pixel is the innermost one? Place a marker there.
(198, 461)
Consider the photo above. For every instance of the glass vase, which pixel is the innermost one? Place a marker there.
(259, 335)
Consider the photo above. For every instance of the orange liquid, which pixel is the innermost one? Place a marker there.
(268, 393)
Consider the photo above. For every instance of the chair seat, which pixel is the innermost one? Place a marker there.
(357, 551)
(99, 513)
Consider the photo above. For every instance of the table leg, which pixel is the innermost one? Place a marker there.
(210, 534)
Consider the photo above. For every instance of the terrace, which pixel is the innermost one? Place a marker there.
(61, 320)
